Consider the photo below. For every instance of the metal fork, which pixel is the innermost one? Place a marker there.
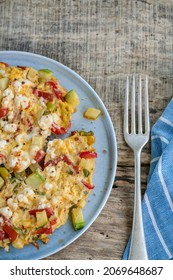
(136, 138)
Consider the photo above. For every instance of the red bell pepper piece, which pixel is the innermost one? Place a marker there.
(6, 64)
(69, 162)
(87, 185)
(49, 211)
(87, 154)
(22, 67)
(53, 222)
(55, 129)
(3, 112)
(12, 234)
(39, 155)
(53, 162)
(44, 231)
(64, 158)
(46, 95)
(1, 156)
(58, 94)
(52, 84)
(2, 235)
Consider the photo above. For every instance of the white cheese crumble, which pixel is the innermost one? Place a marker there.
(7, 97)
(43, 203)
(56, 118)
(45, 133)
(45, 122)
(1, 221)
(20, 138)
(17, 85)
(42, 101)
(10, 115)
(13, 205)
(5, 211)
(21, 102)
(10, 127)
(3, 143)
(48, 186)
(13, 161)
(28, 192)
(22, 198)
(19, 159)
(2, 123)
(54, 200)
(34, 132)
(50, 171)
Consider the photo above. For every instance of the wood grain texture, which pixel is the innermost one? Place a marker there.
(103, 41)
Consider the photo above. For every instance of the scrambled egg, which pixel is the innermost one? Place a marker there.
(40, 181)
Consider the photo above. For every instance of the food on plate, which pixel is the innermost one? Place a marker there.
(77, 218)
(41, 181)
(32, 107)
(92, 113)
(34, 203)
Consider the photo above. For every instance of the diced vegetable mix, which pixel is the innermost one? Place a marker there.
(39, 185)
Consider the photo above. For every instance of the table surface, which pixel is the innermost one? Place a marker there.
(102, 41)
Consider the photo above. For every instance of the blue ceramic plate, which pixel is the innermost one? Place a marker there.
(105, 145)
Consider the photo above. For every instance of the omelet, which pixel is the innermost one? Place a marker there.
(41, 181)
(32, 104)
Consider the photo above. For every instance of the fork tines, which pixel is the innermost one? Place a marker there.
(134, 90)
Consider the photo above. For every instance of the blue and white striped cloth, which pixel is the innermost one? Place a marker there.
(158, 199)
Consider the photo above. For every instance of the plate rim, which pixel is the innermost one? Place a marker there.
(113, 143)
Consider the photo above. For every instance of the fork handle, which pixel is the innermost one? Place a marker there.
(138, 249)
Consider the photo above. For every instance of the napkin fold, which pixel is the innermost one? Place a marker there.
(158, 199)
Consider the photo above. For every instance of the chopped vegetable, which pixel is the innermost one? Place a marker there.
(44, 94)
(86, 172)
(57, 129)
(3, 112)
(87, 185)
(49, 211)
(92, 113)
(88, 164)
(53, 222)
(32, 75)
(87, 154)
(4, 83)
(42, 219)
(39, 155)
(34, 167)
(35, 179)
(53, 162)
(2, 235)
(4, 173)
(85, 133)
(47, 230)
(12, 234)
(4, 63)
(69, 162)
(72, 98)
(45, 74)
(22, 67)
(38, 141)
(50, 106)
(77, 218)
(53, 84)
(1, 183)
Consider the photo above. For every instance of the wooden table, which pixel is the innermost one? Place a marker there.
(102, 41)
